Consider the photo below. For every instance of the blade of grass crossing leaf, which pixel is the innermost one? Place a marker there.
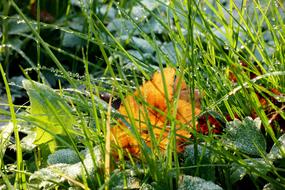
(133, 129)
(95, 110)
(261, 113)
(173, 124)
(191, 57)
(108, 145)
(20, 181)
(95, 116)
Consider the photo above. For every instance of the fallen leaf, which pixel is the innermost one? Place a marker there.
(151, 105)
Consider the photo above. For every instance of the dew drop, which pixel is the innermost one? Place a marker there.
(20, 21)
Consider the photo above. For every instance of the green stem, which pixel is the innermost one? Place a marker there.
(6, 8)
(20, 182)
(190, 42)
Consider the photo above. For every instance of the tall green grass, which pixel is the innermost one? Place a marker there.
(208, 41)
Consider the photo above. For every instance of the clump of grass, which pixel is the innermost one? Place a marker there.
(217, 47)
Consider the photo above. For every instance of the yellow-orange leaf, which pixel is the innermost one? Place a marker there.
(151, 105)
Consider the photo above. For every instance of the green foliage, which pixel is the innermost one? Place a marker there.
(6, 131)
(128, 179)
(232, 51)
(256, 166)
(278, 149)
(204, 163)
(245, 136)
(51, 111)
(66, 156)
(195, 183)
(61, 171)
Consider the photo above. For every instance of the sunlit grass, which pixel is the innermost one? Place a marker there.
(209, 43)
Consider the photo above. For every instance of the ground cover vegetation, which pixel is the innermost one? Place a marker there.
(150, 94)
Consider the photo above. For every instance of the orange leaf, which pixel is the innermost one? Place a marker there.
(151, 104)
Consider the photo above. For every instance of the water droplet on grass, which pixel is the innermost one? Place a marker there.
(20, 21)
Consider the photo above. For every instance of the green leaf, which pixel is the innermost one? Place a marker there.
(27, 142)
(153, 26)
(150, 4)
(77, 23)
(17, 26)
(259, 164)
(122, 27)
(142, 44)
(76, 170)
(111, 14)
(50, 109)
(245, 136)
(127, 179)
(204, 158)
(140, 12)
(168, 49)
(51, 176)
(5, 134)
(146, 186)
(278, 149)
(64, 156)
(71, 41)
(195, 183)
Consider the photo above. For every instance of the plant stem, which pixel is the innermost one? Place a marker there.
(6, 8)
(20, 181)
(108, 145)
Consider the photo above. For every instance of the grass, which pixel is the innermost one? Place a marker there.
(207, 41)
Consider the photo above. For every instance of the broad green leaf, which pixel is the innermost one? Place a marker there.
(259, 164)
(49, 177)
(168, 49)
(16, 43)
(5, 134)
(17, 26)
(245, 136)
(78, 3)
(142, 44)
(50, 109)
(196, 183)
(122, 27)
(52, 175)
(71, 41)
(77, 23)
(111, 14)
(153, 26)
(146, 186)
(278, 150)
(204, 158)
(140, 12)
(27, 142)
(127, 179)
(150, 4)
(76, 170)
(64, 156)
